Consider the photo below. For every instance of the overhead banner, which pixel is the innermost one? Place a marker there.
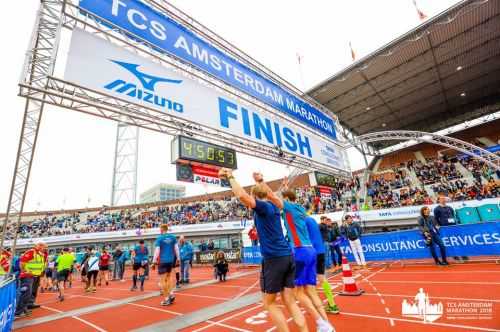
(97, 64)
(166, 34)
(463, 240)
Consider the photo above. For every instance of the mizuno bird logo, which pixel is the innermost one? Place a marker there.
(147, 81)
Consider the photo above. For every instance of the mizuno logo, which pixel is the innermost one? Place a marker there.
(148, 82)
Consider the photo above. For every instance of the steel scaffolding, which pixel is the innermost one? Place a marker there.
(124, 186)
(39, 64)
(489, 158)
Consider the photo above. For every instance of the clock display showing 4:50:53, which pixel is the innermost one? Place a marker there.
(206, 153)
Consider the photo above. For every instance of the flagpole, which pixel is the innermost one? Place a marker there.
(301, 74)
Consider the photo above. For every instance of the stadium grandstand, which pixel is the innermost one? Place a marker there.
(424, 113)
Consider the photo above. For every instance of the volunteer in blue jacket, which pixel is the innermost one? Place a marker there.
(186, 253)
(444, 214)
(430, 230)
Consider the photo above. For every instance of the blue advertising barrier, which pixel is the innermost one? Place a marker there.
(7, 304)
(462, 240)
(167, 35)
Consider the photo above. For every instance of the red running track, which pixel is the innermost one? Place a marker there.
(379, 309)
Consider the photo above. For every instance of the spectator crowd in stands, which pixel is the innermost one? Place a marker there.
(439, 175)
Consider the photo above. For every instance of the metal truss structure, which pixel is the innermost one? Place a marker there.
(489, 158)
(39, 64)
(124, 187)
(40, 86)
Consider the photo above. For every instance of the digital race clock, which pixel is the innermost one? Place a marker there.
(187, 148)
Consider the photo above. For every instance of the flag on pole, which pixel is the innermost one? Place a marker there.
(421, 15)
(299, 58)
(353, 55)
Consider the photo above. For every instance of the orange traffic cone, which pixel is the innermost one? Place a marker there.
(350, 287)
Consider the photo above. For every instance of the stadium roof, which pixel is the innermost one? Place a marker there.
(443, 73)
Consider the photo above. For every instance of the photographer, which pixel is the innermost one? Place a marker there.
(352, 231)
(430, 230)
(335, 239)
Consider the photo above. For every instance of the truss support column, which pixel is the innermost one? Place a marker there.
(40, 61)
(124, 186)
(366, 177)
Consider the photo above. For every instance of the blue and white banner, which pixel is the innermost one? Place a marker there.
(188, 230)
(97, 64)
(7, 304)
(463, 240)
(406, 212)
(161, 31)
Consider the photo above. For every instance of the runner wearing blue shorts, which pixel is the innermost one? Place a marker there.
(140, 261)
(166, 253)
(278, 268)
(305, 260)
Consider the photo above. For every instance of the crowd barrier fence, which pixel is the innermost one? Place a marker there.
(7, 303)
(462, 240)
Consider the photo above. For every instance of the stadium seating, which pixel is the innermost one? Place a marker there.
(407, 178)
(467, 215)
(489, 212)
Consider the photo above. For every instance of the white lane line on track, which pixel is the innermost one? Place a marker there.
(204, 296)
(435, 297)
(52, 309)
(467, 327)
(288, 321)
(248, 289)
(77, 318)
(180, 314)
(378, 293)
(156, 309)
(89, 324)
(228, 318)
(437, 282)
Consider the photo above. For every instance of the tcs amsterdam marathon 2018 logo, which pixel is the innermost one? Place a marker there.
(147, 92)
(423, 309)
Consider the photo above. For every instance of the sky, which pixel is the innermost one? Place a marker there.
(74, 156)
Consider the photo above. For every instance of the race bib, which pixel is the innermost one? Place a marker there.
(451, 220)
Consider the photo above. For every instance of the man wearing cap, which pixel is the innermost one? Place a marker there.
(352, 230)
(32, 264)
